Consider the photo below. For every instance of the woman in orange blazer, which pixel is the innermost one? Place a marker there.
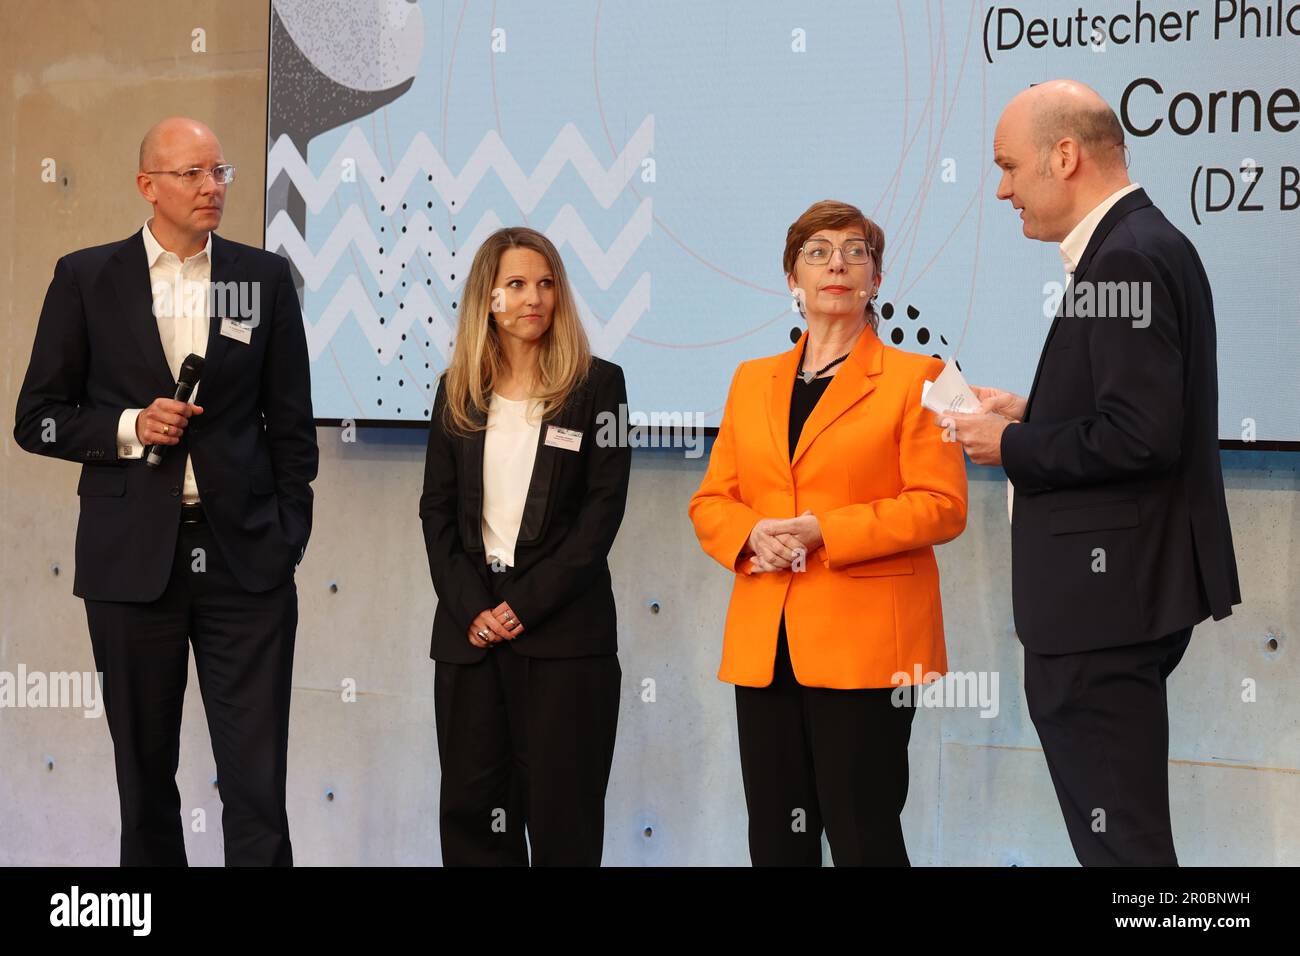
(826, 489)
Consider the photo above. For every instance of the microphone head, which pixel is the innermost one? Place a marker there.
(862, 293)
(191, 369)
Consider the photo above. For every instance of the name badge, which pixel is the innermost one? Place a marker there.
(239, 331)
(565, 438)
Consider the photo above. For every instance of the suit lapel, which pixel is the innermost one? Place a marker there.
(1135, 200)
(222, 270)
(130, 280)
(471, 484)
(779, 387)
(541, 485)
(851, 384)
(1042, 355)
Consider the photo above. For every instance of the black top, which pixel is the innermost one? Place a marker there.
(803, 399)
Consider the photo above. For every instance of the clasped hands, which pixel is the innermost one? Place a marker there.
(775, 543)
(980, 431)
(495, 625)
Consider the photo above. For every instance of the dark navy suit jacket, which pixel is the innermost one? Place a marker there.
(1120, 530)
(97, 353)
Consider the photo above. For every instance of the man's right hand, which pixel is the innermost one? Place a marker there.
(1006, 404)
(163, 422)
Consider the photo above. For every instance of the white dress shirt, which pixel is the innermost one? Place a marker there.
(179, 292)
(1072, 249)
(509, 450)
(1075, 244)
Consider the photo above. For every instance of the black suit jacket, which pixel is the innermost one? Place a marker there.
(560, 586)
(97, 352)
(1117, 462)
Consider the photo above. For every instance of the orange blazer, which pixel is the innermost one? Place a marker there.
(873, 467)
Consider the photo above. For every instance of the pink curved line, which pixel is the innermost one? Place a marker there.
(913, 229)
(604, 125)
(783, 293)
(411, 375)
(704, 345)
(496, 109)
(907, 107)
(979, 218)
(451, 67)
(896, 182)
(356, 266)
(492, 70)
(939, 145)
(980, 194)
(360, 411)
(418, 264)
(910, 225)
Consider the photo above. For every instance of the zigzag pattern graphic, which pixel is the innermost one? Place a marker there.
(567, 228)
(608, 337)
(352, 299)
(353, 229)
(569, 147)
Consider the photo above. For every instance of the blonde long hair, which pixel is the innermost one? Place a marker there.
(477, 360)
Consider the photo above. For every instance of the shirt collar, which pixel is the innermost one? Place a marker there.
(1074, 245)
(153, 249)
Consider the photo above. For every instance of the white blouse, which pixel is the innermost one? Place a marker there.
(509, 449)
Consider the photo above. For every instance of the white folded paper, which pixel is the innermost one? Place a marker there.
(949, 392)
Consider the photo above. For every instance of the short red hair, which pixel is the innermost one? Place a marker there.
(832, 214)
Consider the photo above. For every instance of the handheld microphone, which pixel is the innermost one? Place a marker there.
(186, 382)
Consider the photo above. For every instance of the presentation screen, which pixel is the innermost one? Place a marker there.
(666, 148)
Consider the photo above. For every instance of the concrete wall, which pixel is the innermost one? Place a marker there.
(82, 81)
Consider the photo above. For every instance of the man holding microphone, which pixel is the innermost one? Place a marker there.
(199, 545)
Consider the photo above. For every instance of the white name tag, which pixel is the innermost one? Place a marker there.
(239, 331)
(565, 438)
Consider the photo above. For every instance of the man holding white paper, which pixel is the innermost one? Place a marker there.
(1120, 536)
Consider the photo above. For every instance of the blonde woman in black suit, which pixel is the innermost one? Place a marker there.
(520, 508)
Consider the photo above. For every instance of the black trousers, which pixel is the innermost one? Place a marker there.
(243, 654)
(814, 758)
(1103, 720)
(525, 743)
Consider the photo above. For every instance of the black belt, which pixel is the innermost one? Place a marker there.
(193, 514)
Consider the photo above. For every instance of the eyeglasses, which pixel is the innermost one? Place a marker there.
(817, 252)
(196, 175)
